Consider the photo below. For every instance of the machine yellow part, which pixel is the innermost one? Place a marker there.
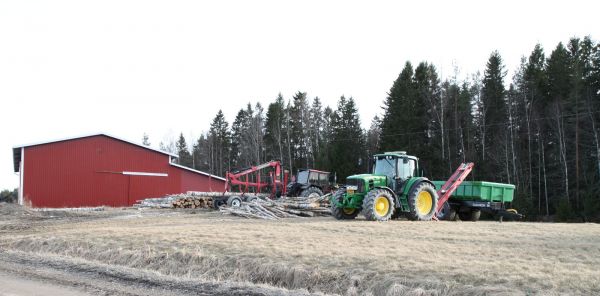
(424, 202)
(382, 206)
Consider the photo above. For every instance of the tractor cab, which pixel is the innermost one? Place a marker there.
(396, 166)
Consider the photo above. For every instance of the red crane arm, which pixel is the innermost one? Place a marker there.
(450, 186)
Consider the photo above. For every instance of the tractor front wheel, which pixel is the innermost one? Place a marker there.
(422, 201)
(339, 212)
(378, 205)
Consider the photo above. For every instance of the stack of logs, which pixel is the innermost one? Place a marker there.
(192, 202)
(180, 201)
(286, 207)
(261, 207)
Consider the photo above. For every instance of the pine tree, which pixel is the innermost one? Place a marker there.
(146, 140)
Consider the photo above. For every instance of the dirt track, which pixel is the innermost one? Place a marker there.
(17, 285)
(128, 252)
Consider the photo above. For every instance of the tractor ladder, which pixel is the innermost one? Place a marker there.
(450, 186)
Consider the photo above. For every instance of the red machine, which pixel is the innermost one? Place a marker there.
(450, 186)
(254, 177)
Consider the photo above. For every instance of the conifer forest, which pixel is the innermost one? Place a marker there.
(537, 128)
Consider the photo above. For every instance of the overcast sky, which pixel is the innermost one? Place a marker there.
(163, 67)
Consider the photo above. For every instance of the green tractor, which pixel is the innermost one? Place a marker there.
(394, 188)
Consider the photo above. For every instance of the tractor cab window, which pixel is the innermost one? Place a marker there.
(385, 165)
(406, 168)
(323, 178)
(302, 177)
(314, 178)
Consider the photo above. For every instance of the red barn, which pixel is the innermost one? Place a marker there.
(101, 170)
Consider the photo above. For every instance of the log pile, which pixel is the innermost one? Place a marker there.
(262, 207)
(193, 202)
(179, 201)
(287, 207)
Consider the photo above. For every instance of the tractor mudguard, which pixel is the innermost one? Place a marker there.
(412, 182)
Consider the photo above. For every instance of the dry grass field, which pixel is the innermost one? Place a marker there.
(322, 255)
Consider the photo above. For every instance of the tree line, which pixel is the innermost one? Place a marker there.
(537, 129)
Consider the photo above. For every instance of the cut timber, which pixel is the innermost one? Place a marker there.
(282, 208)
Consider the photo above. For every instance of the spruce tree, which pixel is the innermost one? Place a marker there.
(559, 73)
(347, 147)
(185, 158)
(219, 139)
(395, 120)
(300, 129)
(495, 117)
(275, 131)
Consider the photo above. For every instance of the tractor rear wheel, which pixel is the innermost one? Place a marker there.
(422, 201)
(378, 205)
(311, 192)
(339, 212)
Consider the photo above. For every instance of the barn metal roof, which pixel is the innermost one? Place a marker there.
(196, 171)
(17, 149)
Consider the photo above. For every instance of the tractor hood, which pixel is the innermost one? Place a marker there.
(372, 180)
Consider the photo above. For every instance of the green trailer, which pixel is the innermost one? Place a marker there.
(473, 197)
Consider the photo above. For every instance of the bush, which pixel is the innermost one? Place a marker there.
(9, 196)
(564, 211)
(591, 208)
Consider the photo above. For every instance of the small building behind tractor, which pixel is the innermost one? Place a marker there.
(311, 183)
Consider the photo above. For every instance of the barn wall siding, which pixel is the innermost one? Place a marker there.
(87, 172)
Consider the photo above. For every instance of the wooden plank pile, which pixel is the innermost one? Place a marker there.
(286, 207)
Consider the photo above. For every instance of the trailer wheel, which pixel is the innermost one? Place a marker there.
(475, 215)
(311, 192)
(447, 213)
(342, 213)
(251, 198)
(234, 201)
(472, 215)
(422, 201)
(218, 202)
(378, 205)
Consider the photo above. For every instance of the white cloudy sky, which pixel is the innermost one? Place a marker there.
(164, 67)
